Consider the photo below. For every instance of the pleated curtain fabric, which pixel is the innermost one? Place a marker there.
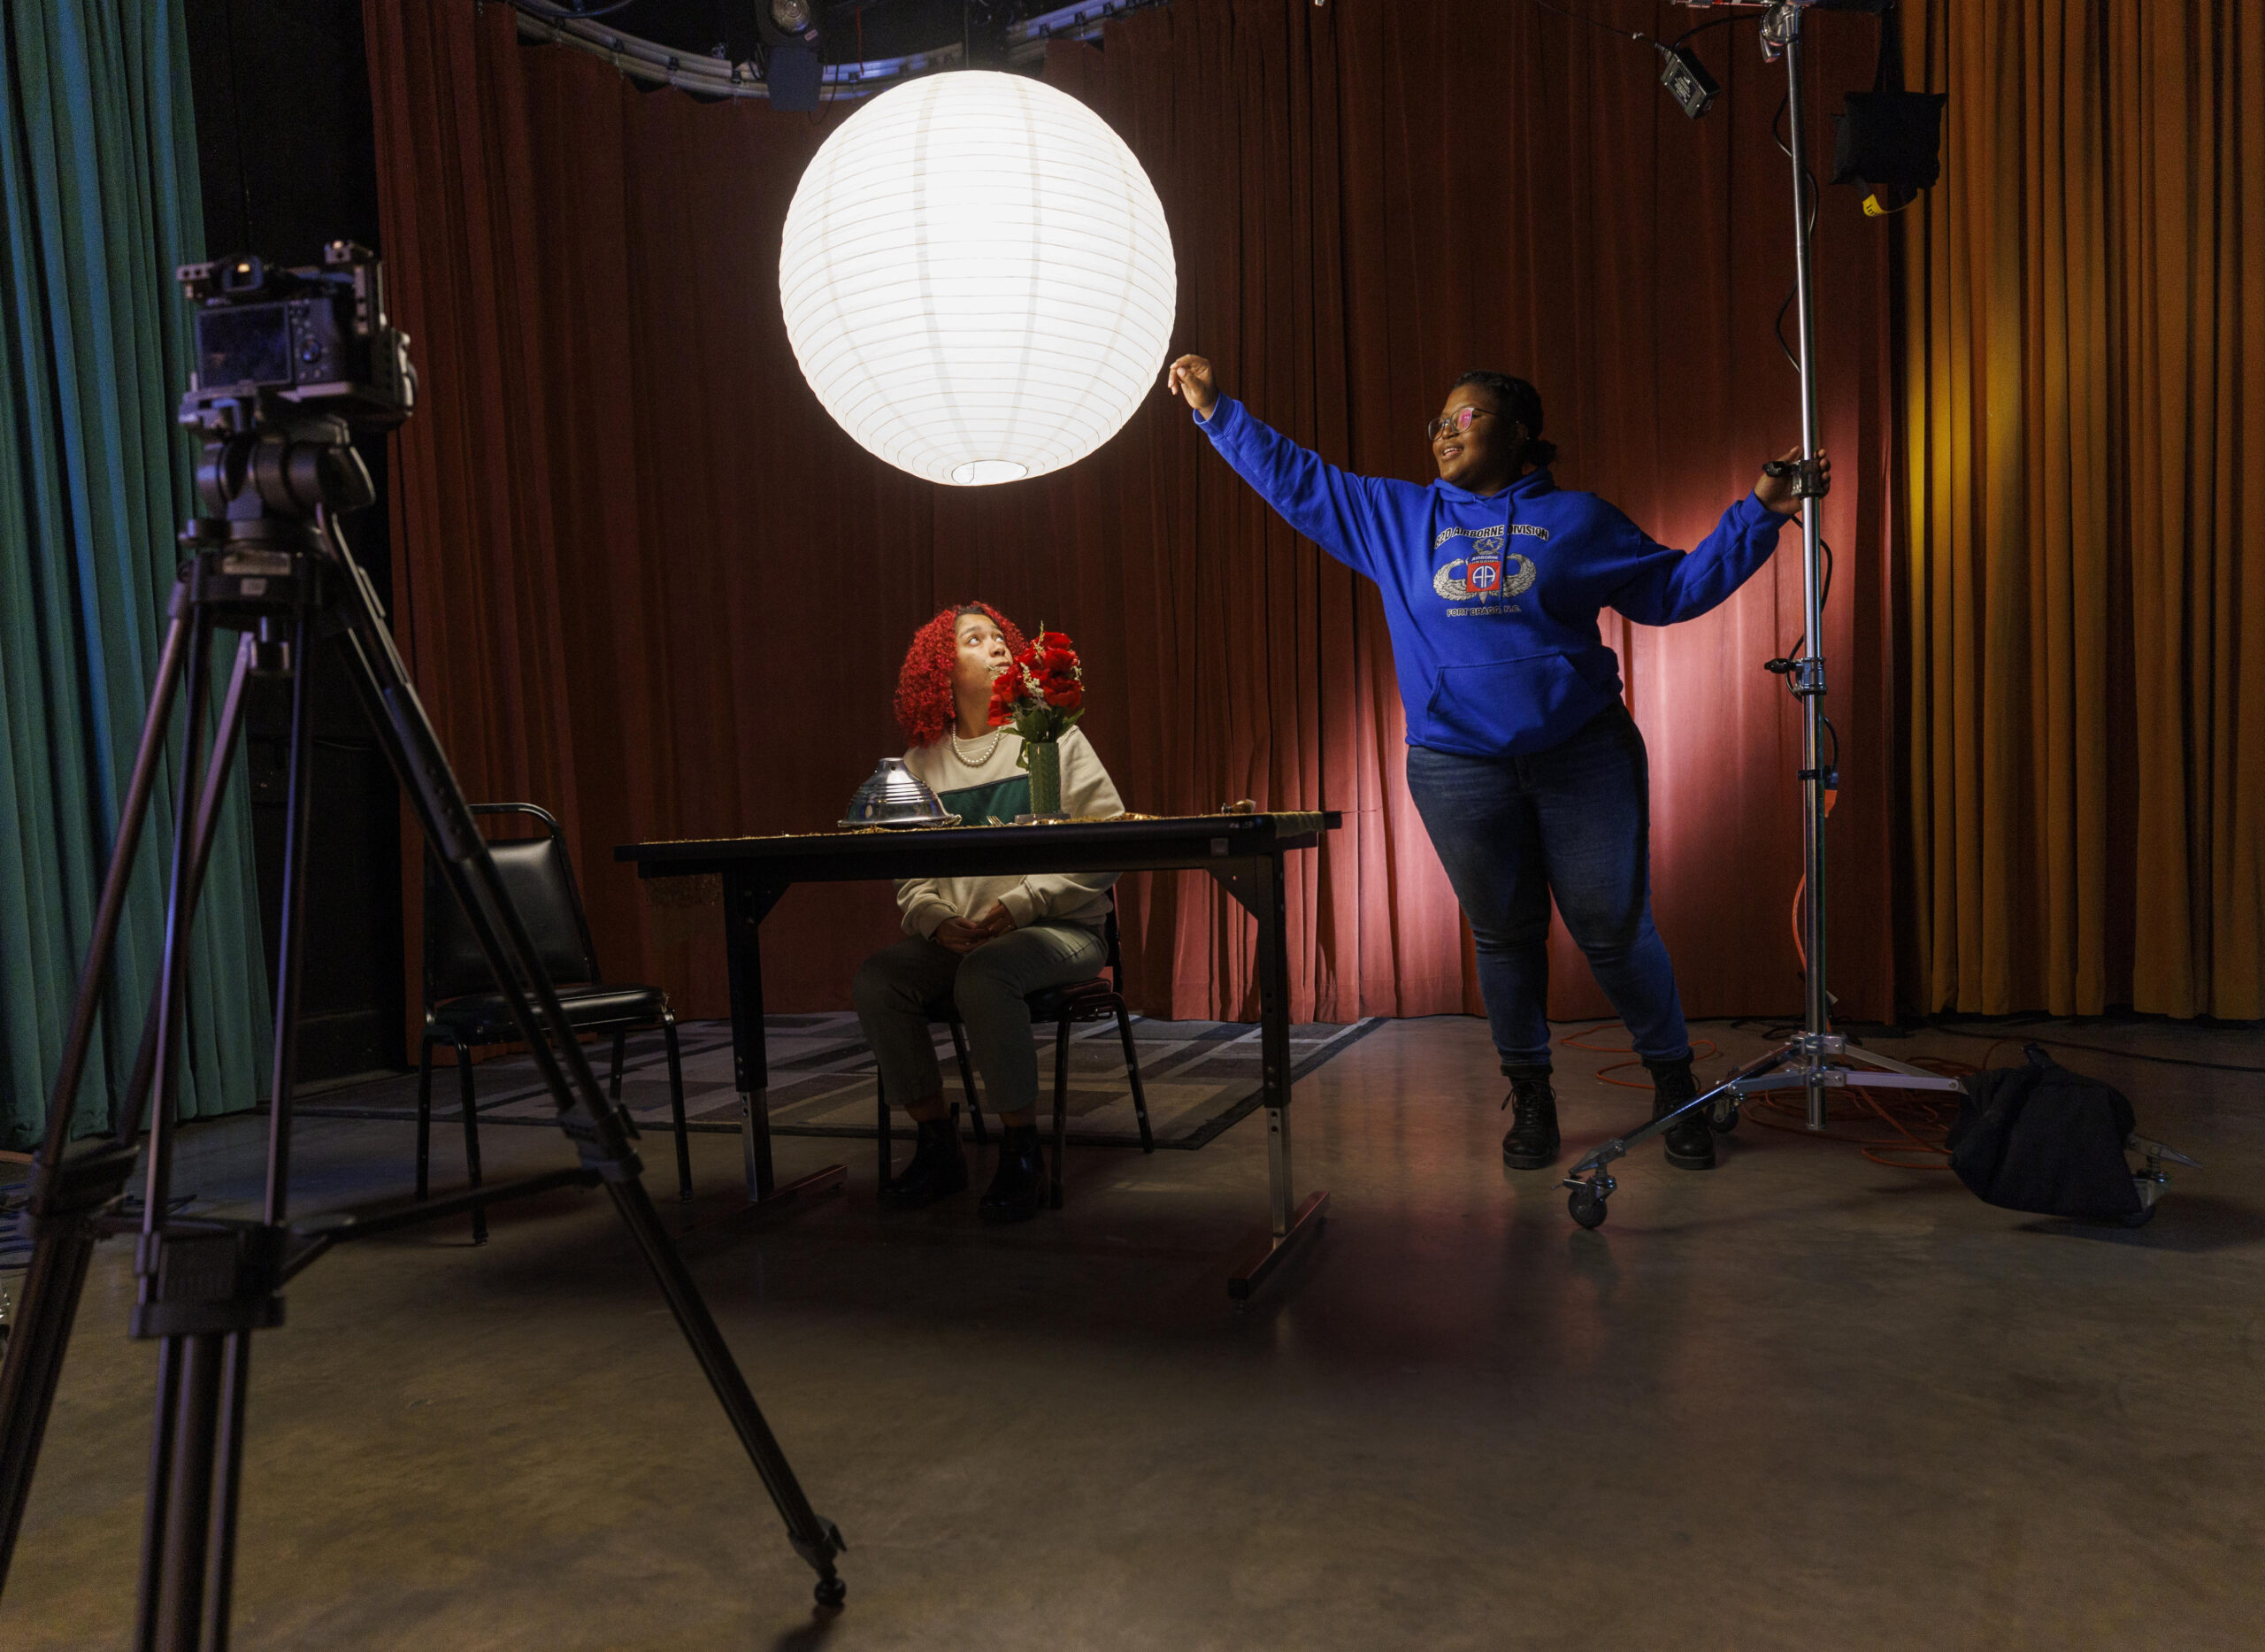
(98, 204)
(2084, 367)
(645, 581)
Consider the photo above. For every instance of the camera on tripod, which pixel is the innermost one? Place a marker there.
(290, 363)
(275, 344)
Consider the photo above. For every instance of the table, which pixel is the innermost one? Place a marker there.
(1244, 852)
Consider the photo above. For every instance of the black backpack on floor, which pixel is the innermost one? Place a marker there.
(2040, 1138)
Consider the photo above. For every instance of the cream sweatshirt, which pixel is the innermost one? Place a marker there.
(998, 790)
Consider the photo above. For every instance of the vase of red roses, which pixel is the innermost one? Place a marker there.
(1041, 693)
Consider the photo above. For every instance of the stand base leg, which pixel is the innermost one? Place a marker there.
(1277, 1248)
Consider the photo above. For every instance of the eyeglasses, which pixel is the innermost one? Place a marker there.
(1457, 421)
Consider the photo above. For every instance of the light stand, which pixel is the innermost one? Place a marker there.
(1816, 1060)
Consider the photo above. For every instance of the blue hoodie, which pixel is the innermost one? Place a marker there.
(1496, 643)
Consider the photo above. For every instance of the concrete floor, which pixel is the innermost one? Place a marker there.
(1802, 1402)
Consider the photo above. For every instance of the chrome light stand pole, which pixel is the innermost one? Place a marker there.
(1816, 1060)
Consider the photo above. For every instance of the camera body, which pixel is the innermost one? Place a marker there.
(315, 339)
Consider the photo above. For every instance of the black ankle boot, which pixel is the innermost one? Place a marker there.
(938, 1169)
(1532, 1143)
(1690, 1141)
(1020, 1186)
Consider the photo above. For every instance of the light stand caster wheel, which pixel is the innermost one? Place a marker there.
(1723, 1122)
(831, 1593)
(1585, 1205)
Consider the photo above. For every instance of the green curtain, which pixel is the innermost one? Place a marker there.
(98, 201)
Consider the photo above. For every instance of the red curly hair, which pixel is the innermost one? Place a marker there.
(925, 707)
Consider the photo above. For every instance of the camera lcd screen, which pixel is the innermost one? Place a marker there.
(245, 344)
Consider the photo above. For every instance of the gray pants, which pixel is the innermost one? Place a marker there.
(895, 987)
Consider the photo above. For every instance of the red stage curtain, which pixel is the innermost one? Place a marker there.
(644, 579)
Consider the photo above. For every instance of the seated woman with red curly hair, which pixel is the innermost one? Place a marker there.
(981, 944)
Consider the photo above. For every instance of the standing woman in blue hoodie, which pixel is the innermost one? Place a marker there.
(1523, 762)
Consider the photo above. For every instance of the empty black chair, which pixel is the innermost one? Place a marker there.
(464, 1008)
(1095, 1000)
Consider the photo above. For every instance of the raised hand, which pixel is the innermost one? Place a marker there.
(1191, 376)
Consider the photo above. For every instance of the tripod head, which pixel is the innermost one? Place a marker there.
(290, 364)
(284, 463)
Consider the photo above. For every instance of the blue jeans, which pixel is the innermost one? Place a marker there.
(1573, 822)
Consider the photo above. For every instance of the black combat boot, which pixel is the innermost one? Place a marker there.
(1532, 1143)
(1691, 1140)
(938, 1169)
(1020, 1185)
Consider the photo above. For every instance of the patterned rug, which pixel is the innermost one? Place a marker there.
(1200, 1077)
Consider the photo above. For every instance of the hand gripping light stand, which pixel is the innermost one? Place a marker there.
(1816, 1060)
(268, 561)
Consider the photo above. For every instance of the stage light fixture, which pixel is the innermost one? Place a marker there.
(977, 277)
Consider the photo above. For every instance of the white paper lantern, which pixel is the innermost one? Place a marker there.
(977, 277)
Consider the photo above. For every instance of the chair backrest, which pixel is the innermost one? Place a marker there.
(539, 878)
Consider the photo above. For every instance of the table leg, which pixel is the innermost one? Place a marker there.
(747, 902)
(1257, 884)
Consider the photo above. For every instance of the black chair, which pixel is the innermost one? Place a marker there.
(464, 1008)
(1095, 1000)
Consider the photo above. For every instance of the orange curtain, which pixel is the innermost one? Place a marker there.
(2085, 353)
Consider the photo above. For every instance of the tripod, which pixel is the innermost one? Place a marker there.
(1816, 1060)
(270, 564)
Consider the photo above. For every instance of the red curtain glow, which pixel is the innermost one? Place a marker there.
(644, 580)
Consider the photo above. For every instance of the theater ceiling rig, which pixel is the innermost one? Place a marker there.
(800, 54)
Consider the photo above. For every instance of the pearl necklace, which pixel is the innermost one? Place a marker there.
(990, 746)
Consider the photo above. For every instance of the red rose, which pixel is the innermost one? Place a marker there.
(1008, 689)
(1068, 695)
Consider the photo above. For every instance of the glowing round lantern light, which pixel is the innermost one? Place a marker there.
(977, 277)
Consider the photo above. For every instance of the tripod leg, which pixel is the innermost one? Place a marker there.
(183, 1551)
(235, 1379)
(164, 1538)
(173, 972)
(68, 1189)
(814, 1538)
(131, 819)
(200, 855)
(291, 936)
(404, 731)
(159, 1500)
